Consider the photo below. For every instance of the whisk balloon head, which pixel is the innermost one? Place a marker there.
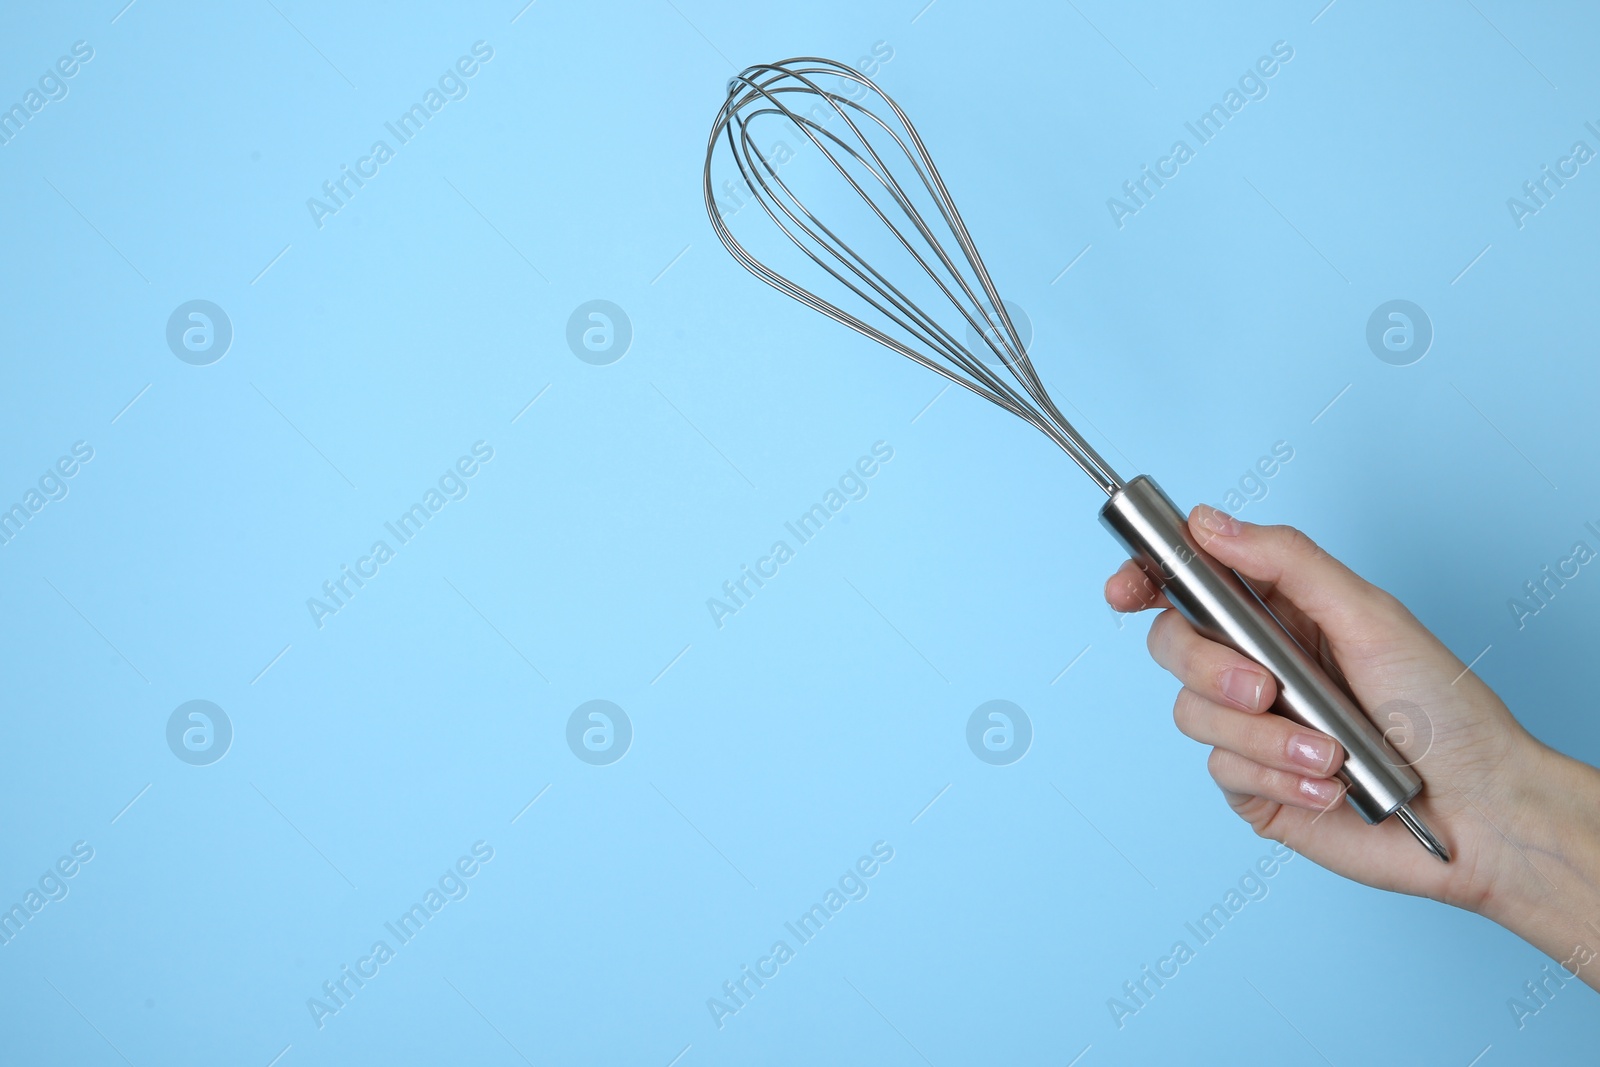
(809, 138)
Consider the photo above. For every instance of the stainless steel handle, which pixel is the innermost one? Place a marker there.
(1221, 606)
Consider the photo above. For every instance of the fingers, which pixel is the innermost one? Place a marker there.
(1240, 777)
(1283, 559)
(1213, 671)
(1268, 741)
(1130, 589)
(1222, 703)
(1337, 599)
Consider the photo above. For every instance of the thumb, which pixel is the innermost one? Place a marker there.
(1348, 608)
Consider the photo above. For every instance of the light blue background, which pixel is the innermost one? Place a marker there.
(826, 715)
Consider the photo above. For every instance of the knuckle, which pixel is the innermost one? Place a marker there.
(1152, 636)
(1264, 740)
(1273, 784)
(1138, 584)
(1384, 599)
(1215, 670)
(1200, 664)
(1164, 636)
(1177, 647)
(1386, 604)
(1244, 775)
(1186, 712)
(1265, 824)
(1259, 813)
(1299, 543)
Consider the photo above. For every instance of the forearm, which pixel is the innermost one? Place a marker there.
(1550, 894)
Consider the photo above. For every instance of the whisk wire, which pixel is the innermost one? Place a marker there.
(951, 349)
(924, 327)
(762, 91)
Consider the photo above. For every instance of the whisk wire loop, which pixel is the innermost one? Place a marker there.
(769, 90)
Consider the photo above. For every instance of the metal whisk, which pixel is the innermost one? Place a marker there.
(909, 213)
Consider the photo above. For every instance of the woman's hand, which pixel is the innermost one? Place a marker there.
(1494, 795)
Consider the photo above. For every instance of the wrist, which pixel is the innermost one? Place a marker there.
(1543, 849)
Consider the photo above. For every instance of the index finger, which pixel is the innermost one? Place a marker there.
(1130, 589)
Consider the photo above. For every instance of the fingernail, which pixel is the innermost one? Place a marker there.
(1324, 791)
(1219, 522)
(1243, 687)
(1311, 750)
